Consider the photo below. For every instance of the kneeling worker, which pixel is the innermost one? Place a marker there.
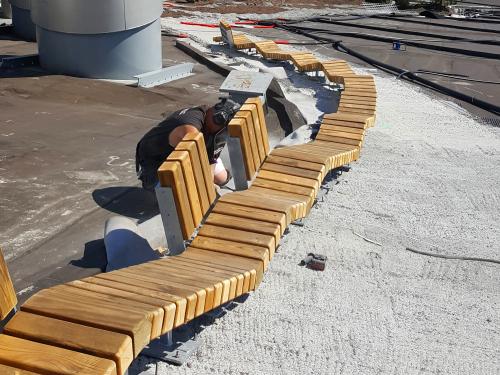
(159, 142)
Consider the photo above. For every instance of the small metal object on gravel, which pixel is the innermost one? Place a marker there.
(315, 262)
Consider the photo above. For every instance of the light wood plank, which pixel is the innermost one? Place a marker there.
(7, 370)
(92, 313)
(165, 299)
(162, 285)
(262, 122)
(238, 130)
(249, 225)
(273, 217)
(255, 267)
(249, 131)
(291, 179)
(170, 175)
(199, 177)
(45, 359)
(76, 337)
(293, 171)
(254, 121)
(303, 203)
(8, 299)
(233, 248)
(294, 163)
(235, 235)
(168, 307)
(197, 138)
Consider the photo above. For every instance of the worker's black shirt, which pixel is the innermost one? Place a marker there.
(153, 148)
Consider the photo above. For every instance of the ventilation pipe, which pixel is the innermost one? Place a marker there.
(112, 39)
(21, 19)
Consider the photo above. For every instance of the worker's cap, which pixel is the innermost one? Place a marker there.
(224, 111)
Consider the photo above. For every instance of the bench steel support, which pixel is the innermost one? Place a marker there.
(237, 164)
(170, 219)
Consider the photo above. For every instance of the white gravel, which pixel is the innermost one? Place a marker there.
(428, 178)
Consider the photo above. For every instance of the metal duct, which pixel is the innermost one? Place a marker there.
(113, 39)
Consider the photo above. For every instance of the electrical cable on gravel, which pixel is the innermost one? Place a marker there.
(452, 257)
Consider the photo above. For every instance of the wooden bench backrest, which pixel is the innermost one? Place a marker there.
(226, 33)
(249, 125)
(8, 299)
(187, 172)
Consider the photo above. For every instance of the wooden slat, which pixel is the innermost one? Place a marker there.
(345, 117)
(255, 123)
(96, 342)
(92, 313)
(153, 313)
(212, 288)
(269, 204)
(262, 122)
(288, 153)
(346, 141)
(8, 299)
(303, 203)
(336, 133)
(168, 307)
(293, 171)
(249, 225)
(234, 235)
(291, 179)
(285, 187)
(193, 295)
(341, 128)
(185, 306)
(294, 163)
(7, 370)
(190, 183)
(233, 248)
(235, 280)
(243, 277)
(199, 177)
(197, 138)
(170, 175)
(249, 131)
(45, 359)
(237, 129)
(255, 267)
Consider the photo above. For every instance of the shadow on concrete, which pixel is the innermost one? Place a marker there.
(129, 201)
(94, 256)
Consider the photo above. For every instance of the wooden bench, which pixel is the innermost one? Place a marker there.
(236, 41)
(99, 324)
(293, 173)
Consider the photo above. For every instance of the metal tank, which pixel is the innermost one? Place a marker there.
(111, 39)
(21, 19)
(6, 9)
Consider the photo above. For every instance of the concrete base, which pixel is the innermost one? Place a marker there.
(23, 26)
(118, 55)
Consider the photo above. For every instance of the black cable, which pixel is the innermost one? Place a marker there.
(490, 107)
(455, 77)
(452, 256)
(409, 32)
(438, 24)
(378, 38)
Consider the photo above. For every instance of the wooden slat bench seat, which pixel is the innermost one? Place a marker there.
(99, 324)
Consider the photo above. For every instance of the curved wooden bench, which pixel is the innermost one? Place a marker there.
(99, 324)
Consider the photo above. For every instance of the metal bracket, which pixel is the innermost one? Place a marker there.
(174, 350)
(158, 77)
(19, 61)
(237, 163)
(170, 219)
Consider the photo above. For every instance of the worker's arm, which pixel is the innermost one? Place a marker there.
(180, 132)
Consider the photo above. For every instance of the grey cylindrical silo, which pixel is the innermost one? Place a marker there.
(21, 19)
(112, 39)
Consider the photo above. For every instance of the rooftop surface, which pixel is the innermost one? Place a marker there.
(427, 180)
